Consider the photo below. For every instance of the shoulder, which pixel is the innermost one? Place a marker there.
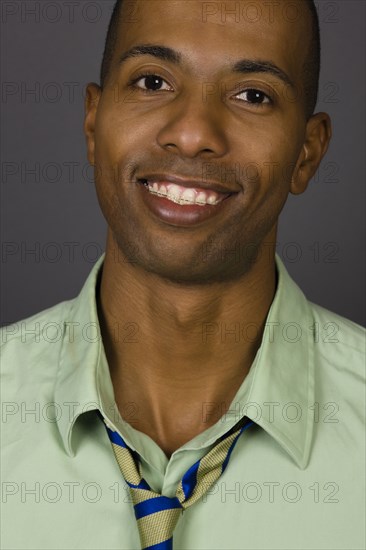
(340, 344)
(339, 329)
(30, 345)
(31, 329)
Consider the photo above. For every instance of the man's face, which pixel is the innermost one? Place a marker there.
(201, 121)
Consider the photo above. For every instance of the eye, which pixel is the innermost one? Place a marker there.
(151, 83)
(255, 96)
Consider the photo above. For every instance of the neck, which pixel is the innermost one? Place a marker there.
(172, 349)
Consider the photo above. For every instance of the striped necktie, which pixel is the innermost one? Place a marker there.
(156, 514)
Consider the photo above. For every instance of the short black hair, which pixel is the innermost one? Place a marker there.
(312, 63)
(110, 42)
(311, 66)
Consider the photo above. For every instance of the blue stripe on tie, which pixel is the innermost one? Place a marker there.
(116, 438)
(227, 458)
(153, 505)
(166, 545)
(189, 479)
(142, 485)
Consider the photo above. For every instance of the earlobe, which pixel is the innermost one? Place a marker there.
(317, 138)
(92, 96)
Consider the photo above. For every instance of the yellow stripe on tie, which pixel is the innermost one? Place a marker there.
(158, 527)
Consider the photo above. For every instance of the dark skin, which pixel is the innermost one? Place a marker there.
(154, 274)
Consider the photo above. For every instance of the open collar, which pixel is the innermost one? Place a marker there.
(278, 392)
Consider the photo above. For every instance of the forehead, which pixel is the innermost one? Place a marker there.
(210, 34)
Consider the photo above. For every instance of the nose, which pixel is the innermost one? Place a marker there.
(194, 127)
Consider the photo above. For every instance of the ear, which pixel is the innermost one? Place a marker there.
(317, 137)
(93, 93)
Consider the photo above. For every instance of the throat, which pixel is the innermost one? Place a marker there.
(172, 417)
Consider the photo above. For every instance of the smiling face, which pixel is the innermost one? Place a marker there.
(198, 102)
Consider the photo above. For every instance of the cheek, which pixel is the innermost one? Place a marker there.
(267, 161)
(273, 140)
(116, 131)
(109, 138)
(280, 154)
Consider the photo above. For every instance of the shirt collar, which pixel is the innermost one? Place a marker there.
(83, 383)
(282, 385)
(277, 393)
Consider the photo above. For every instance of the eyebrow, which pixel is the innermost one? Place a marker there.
(243, 66)
(161, 52)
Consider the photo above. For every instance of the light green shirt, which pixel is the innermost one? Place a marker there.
(296, 480)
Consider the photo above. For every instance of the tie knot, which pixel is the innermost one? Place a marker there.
(157, 515)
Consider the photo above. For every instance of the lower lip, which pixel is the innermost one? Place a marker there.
(176, 214)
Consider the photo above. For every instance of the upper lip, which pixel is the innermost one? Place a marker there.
(188, 182)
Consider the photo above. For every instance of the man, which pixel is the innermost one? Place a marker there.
(187, 92)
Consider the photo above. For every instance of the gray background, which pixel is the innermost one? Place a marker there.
(52, 227)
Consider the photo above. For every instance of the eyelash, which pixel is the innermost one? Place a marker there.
(132, 84)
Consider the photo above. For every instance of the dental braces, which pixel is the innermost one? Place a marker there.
(180, 201)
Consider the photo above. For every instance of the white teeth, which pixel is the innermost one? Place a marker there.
(201, 198)
(211, 199)
(189, 195)
(183, 196)
(174, 192)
